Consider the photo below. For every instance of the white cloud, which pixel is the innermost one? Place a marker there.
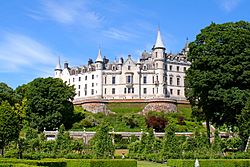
(19, 53)
(118, 34)
(67, 12)
(229, 5)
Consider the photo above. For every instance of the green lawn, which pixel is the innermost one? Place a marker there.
(126, 107)
(149, 164)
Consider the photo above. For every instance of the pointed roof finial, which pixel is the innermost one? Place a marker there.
(159, 42)
(99, 56)
(58, 66)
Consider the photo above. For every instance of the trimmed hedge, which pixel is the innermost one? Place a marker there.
(48, 163)
(101, 163)
(210, 163)
(68, 163)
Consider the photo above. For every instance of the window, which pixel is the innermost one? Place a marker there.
(166, 67)
(93, 76)
(156, 54)
(178, 92)
(184, 69)
(144, 79)
(92, 91)
(156, 90)
(105, 91)
(170, 68)
(79, 79)
(92, 84)
(153, 79)
(86, 78)
(129, 67)
(79, 93)
(105, 80)
(85, 87)
(178, 81)
(125, 90)
(113, 80)
(73, 79)
(133, 90)
(113, 90)
(156, 65)
(171, 91)
(153, 90)
(171, 80)
(177, 68)
(85, 92)
(129, 79)
(145, 90)
(79, 86)
(129, 90)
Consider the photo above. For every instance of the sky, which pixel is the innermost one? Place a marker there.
(33, 34)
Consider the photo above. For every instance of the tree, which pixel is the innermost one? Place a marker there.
(102, 142)
(7, 94)
(218, 81)
(9, 125)
(49, 103)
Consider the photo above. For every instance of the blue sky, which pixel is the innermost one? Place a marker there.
(34, 33)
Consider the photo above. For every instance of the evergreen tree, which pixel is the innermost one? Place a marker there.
(102, 144)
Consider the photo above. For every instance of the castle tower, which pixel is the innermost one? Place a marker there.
(158, 55)
(58, 69)
(99, 79)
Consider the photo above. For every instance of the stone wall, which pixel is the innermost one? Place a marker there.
(96, 107)
(159, 107)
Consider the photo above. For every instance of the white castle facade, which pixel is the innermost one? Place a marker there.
(156, 75)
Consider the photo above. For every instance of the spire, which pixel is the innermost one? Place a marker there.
(99, 56)
(159, 42)
(58, 66)
(186, 45)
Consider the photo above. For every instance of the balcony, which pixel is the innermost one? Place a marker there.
(156, 82)
(129, 85)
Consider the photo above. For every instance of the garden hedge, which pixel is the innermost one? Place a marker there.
(101, 163)
(210, 163)
(47, 163)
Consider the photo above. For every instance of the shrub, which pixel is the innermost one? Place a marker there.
(210, 163)
(157, 123)
(102, 163)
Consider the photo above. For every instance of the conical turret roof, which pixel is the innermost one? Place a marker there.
(99, 56)
(159, 43)
(58, 66)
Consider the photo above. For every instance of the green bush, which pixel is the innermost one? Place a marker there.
(48, 163)
(210, 163)
(101, 163)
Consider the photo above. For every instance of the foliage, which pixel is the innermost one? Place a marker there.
(210, 163)
(217, 83)
(7, 94)
(244, 123)
(157, 123)
(48, 103)
(48, 163)
(102, 143)
(9, 124)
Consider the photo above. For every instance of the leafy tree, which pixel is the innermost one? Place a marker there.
(218, 81)
(9, 125)
(49, 103)
(7, 94)
(244, 124)
(102, 142)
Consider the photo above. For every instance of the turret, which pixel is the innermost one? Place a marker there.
(58, 69)
(99, 61)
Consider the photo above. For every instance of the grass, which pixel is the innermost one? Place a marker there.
(149, 164)
(126, 107)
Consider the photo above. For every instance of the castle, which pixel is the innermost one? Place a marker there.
(156, 75)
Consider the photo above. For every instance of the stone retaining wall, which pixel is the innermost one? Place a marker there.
(159, 107)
